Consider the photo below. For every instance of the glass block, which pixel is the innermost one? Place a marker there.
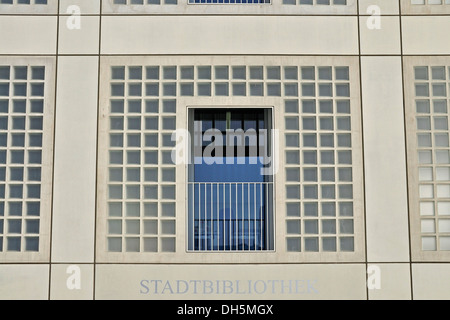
(151, 227)
(327, 140)
(444, 225)
(325, 73)
(327, 157)
(257, 90)
(347, 244)
(292, 140)
(421, 73)
(4, 89)
(346, 209)
(326, 123)
(168, 244)
(440, 123)
(442, 174)
(329, 226)
(132, 209)
(440, 106)
(308, 106)
(441, 139)
(168, 227)
(274, 89)
(429, 243)
(444, 243)
(293, 209)
(151, 192)
(256, 73)
(310, 174)
(425, 157)
(309, 140)
(204, 89)
(13, 244)
(312, 244)
(168, 209)
(168, 175)
(32, 244)
(291, 123)
(293, 192)
(346, 226)
(135, 73)
(443, 191)
(308, 90)
(329, 244)
(115, 209)
(33, 209)
(327, 174)
(328, 192)
(426, 208)
(204, 72)
(344, 157)
(132, 244)
(239, 89)
(328, 209)
(150, 244)
(310, 157)
(345, 174)
(425, 174)
(310, 209)
(273, 73)
(326, 106)
(291, 90)
(14, 226)
(20, 73)
(309, 123)
(114, 244)
(115, 192)
(345, 191)
(308, 73)
(291, 73)
(325, 90)
(310, 192)
(4, 72)
(293, 244)
(442, 157)
(343, 106)
(239, 72)
(293, 227)
(221, 73)
(118, 73)
(151, 209)
(114, 227)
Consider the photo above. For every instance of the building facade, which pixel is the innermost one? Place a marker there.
(224, 149)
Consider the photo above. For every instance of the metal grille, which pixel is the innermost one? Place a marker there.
(229, 216)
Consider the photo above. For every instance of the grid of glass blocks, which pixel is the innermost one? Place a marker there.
(432, 125)
(317, 2)
(141, 174)
(430, 2)
(142, 2)
(23, 1)
(21, 133)
(318, 160)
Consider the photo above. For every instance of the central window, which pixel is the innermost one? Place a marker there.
(230, 180)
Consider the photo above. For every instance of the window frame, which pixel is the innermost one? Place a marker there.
(417, 254)
(279, 255)
(43, 254)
